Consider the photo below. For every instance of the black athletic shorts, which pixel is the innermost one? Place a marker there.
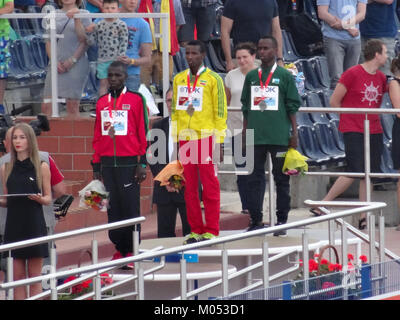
(354, 148)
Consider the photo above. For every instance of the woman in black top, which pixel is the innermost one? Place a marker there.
(26, 174)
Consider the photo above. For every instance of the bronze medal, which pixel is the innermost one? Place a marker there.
(190, 110)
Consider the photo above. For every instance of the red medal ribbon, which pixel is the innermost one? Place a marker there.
(265, 85)
(117, 104)
(191, 89)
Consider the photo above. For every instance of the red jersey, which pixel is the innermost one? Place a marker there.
(364, 90)
(55, 174)
(128, 115)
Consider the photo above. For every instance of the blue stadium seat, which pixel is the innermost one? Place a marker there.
(311, 82)
(16, 71)
(289, 54)
(320, 67)
(327, 142)
(38, 47)
(25, 54)
(308, 143)
(35, 24)
(21, 26)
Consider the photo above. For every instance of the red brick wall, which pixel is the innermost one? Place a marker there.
(69, 142)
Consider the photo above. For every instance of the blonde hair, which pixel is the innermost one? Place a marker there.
(33, 152)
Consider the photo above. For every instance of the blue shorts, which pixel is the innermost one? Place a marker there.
(102, 69)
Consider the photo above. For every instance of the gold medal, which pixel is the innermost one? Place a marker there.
(111, 132)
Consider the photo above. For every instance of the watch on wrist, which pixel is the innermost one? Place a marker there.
(73, 59)
(279, 59)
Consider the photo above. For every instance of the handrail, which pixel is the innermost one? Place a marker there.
(59, 236)
(220, 240)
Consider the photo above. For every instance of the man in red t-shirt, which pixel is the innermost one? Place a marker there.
(361, 86)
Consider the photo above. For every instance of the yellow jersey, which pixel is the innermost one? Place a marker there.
(209, 112)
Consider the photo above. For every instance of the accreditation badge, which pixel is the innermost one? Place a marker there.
(264, 99)
(118, 119)
(184, 100)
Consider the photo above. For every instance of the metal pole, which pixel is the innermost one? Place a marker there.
(96, 280)
(183, 278)
(372, 238)
(344, 258)
(225, 285)
(381, 237)
(271, 192)
(10, 275)
(165, 60)
(53, 65)
(331, 235)
(367, 164)
(265, 268)
(305, 263)
(53, 281)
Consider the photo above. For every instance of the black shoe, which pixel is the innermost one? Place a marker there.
(255, 226)
(281, 233)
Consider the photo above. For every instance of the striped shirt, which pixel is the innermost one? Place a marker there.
(211, 120)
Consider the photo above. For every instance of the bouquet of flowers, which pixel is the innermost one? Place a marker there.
(84, 287)
(94, 196)
(295, 163)
(172, 175)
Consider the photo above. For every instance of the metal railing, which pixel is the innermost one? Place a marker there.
(52, 238)
(95, 269)
(367, 174)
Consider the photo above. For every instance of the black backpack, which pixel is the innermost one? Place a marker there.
(306, 34)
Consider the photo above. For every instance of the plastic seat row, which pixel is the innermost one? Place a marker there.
(28, 59)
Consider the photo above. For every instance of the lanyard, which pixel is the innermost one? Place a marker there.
(191, 90)
(264, 86)
(117, 104)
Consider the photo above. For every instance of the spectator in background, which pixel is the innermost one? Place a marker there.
(361, 86)
(245, 54)
(380, 23)
(249, 20)
(152, 73)
(6, 7)
(342, 44)
(72, 61)
(167, 199)
(394, 93)
(140, 41)
(111, 37)
(199, 13)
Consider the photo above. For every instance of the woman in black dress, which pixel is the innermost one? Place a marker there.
(394, 93)
(26, 174)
